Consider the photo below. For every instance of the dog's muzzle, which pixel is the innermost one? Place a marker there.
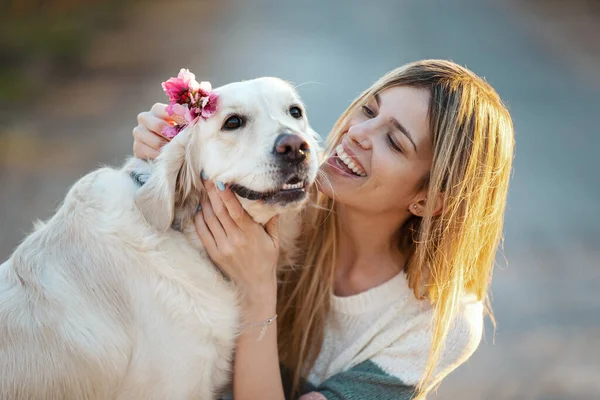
(291, 154)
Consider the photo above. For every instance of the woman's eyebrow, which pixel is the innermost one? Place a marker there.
(402, 129)
(397, 123)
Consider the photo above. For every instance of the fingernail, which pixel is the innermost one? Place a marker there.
(203, 175)
(199, 208)
(221, 186)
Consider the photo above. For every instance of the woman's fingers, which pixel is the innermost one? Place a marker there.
(272, 228)
(205, 234)
(143, 135)
(143, 151)
(160, 110)
(235, 210)
(220, 209)
(247, 256)
(214, 224)
(153, 124)
(147, 135)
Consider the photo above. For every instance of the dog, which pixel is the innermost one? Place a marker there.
(114, 296)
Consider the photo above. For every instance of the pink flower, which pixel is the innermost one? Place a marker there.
(187, 77)
(171, 131)
(176, 89)
(191, 116)
(177, 109)
(204, 88)
(209, 105)
(194, 96)
(188, 101)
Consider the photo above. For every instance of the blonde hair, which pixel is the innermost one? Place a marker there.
(450, 253)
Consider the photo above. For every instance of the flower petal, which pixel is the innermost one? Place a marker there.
(204, 88)
(192, 114)
(171, 131)
(186, 76)
(175, 88)
(169, 109)
(211, 105)
(180, 109)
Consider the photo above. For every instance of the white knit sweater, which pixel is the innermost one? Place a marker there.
(377, 343)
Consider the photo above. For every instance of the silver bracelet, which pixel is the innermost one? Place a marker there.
(263, 324)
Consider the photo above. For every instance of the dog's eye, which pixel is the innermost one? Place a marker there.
(296, 112)
(233, 122)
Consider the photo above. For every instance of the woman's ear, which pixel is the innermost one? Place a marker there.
(417, 207)
(172, 185)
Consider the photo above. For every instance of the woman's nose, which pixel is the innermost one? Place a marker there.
(360, 134)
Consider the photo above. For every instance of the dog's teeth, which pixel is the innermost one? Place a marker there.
(287, 186)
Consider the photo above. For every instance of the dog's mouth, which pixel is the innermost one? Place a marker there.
(290, 192)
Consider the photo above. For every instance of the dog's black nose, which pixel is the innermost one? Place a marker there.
(291, 148)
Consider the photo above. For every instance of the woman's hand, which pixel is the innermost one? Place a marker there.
(148, 139)
(247, 252)
(244, 250)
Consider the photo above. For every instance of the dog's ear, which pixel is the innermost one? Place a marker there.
(173, 189)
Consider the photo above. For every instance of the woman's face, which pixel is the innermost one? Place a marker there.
(383, 154)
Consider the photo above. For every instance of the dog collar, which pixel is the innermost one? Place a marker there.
(138, 178)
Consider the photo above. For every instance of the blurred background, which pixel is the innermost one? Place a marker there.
(74, 74)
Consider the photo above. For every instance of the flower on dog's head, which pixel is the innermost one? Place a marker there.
(178, 88)
(209, 105)
(188, 100)
(172, 130)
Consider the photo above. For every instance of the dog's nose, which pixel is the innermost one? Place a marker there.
(290, 147)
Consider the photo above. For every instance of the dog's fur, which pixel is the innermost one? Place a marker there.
(107, 301)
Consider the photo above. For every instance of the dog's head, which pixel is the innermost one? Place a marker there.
(258, 142)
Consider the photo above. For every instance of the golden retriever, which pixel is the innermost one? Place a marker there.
(113, 297)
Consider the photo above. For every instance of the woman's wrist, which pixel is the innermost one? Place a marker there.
(260, 301)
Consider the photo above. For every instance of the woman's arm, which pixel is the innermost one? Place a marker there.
(247, 253)
(256, 372)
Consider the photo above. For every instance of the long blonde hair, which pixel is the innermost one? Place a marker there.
(450, 253)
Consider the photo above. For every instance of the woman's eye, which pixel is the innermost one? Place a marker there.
(296, 112)
(368, 112)
(393, 144)
(233, 122)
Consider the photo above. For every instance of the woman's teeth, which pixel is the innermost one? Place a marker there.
(348, 161)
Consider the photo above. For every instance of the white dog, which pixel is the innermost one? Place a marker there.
(114, 297)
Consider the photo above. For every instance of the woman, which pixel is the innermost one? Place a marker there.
(398, 248)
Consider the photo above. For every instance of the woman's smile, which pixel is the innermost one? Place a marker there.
(345, 163)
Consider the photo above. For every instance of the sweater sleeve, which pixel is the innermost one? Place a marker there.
(364, 381)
